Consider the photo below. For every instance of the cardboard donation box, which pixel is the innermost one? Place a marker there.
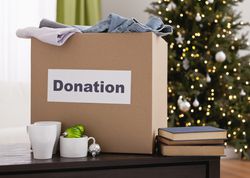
(114, 84)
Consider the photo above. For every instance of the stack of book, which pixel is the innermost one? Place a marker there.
(192, 141)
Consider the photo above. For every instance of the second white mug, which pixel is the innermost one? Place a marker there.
(74, 147)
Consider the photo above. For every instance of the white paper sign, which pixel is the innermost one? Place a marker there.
(89, 86)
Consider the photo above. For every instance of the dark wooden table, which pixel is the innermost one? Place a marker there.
(16, 162)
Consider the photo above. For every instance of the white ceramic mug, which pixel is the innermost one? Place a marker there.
(58, 126)
(42, 139)
(74, 147)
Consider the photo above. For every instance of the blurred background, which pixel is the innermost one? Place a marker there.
(15, 52)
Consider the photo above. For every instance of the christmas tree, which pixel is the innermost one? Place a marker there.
(208, 78)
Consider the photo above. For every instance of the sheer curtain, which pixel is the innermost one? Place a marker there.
(15, 58)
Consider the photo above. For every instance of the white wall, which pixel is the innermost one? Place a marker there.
(127, 8)
(244, 8)
(15, 57)
(15, 64)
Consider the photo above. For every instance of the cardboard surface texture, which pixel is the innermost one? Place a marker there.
(118, 128)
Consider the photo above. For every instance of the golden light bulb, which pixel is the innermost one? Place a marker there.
(181, 115)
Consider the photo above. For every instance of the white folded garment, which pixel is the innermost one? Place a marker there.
(53, 36)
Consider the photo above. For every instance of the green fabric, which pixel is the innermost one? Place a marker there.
(78, 12)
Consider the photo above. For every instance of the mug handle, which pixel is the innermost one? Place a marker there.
(91, 138)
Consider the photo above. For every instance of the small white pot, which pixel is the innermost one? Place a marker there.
(74, 147)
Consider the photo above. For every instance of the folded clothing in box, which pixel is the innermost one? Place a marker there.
(57, 34)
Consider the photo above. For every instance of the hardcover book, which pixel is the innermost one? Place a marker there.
(193, 133)
(208, 150)
(190, 142)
